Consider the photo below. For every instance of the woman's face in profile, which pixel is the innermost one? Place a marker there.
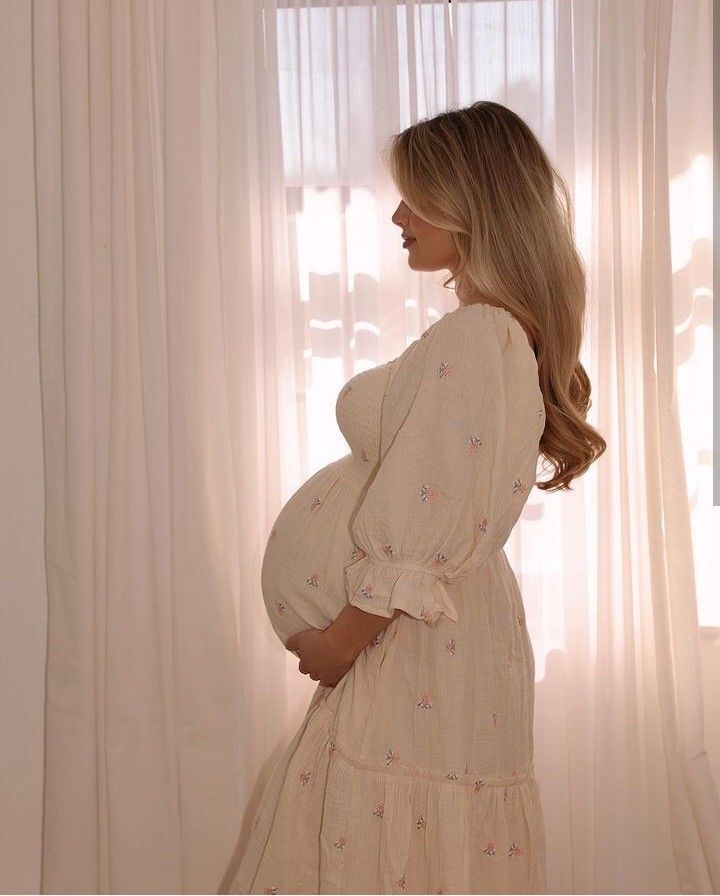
(430, 248)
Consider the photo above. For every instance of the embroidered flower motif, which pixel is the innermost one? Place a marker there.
(357, 553)
(508, 659)
(401, 882)
(494, 718)
(420, 824)
(391, 756)
(272, 890)
(367, 591)
(346, 391)
(389, 552)
(482, 526)
(451, 776)
(519, 487)
(364, 457)
(467, 770)
(439, 559)
(478, 785)
(474, 444)
(445, 370)
(541, 411)
(340, 842)
(304, 777)
(316, 502)
(379, 810)
(331, 747)
(425, 701)
(280, 607)
(505, 795)
(521, 620)
(450, 646)
(313, 580)
(425, 615)
(427, 493)
(514, 849)
(489, 848)
(378, 638)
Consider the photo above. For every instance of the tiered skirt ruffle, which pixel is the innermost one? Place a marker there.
(331, 823)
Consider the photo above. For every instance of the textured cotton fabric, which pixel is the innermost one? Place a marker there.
(415, 773)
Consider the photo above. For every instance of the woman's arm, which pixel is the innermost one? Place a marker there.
(353, 629)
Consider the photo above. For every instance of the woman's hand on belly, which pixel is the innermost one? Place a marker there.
(321, 657)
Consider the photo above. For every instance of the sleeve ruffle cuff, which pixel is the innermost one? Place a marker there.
(381, 588)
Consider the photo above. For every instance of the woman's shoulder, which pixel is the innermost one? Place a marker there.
(481, 315)
(477, 327)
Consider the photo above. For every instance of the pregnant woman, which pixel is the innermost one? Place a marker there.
(385, 572)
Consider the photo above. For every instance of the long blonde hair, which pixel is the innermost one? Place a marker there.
(480, 173)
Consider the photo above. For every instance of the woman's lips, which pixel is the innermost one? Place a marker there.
(407, 242)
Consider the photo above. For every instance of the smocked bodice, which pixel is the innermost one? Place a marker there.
(358, 411)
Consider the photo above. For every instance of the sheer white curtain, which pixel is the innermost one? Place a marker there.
(216, 258)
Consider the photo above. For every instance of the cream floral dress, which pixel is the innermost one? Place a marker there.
(414, 774)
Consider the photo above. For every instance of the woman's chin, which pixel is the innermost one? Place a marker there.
(414, 262)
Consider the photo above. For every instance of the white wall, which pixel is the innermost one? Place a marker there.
(22, 580)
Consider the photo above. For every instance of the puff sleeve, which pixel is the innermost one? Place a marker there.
(457, 472)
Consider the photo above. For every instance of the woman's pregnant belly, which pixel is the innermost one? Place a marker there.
(310, 544)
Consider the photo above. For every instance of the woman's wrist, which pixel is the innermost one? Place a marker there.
(353, 629)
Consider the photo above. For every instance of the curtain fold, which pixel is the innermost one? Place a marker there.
(216, 258)
(694, 802)
(168, 362)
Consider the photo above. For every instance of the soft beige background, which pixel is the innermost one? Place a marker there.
(23, 605)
